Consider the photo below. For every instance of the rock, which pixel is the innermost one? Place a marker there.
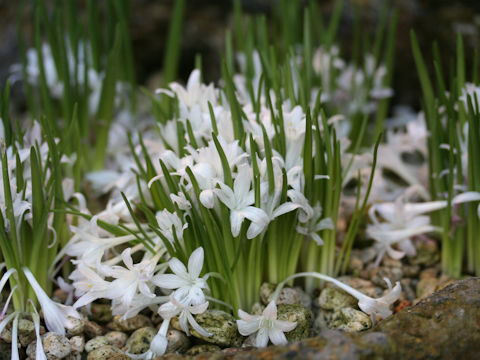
(350, 320)
(429, 273)
(426, 287)
(96, 343)
(301, 315)
(287, 295)
(391, 263)
(220, 324)
(116, 338)
(104, 352)
(410, 270)
(257, 309)
(393, 274)
(77, 327)
(131, 324)
(200, 349)
(55, 346)
(5, 350)
(333, 298)
(139, 341)
(6, 334)
(443, 326)
(322, 321)
(407, 291)
(118, 356)
(78, 344)
(427, 253)
(177, 341)
(101, 312)
(92, 329)
(73, 356)
(26, 332)
(355, 264)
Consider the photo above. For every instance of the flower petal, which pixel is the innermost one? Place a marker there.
(270, 311)
(277, 336)
(262, 338)
(247, 327)
(195, 263)
(178, 268)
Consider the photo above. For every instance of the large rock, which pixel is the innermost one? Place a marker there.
(221, 325)
(445, 325)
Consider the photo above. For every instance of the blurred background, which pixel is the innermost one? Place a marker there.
(205, 23)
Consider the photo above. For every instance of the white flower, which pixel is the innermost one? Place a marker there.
(265, 326)
(370, 306)
(380, 306)
(184, 310)
(402, 221)
(239, 201)
(135, 278)
(315, 225)
(55, 314)
(167, 222)
(187, 284)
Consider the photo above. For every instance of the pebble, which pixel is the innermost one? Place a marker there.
(78, 344)
(410, 270)
(177, 341)
(321, 322)
(92, 329)
(427, 253)
(26, 332)
(355, 264)
(131, 324)
(301, 315)
(6, 334)
(350, 320)
(96, 343)
(139, 341)
(287, 295)
(77, 326)
(101, 312)
(393, 274)
(257, 309)
(200, 349)
(428, 273)
(392, 263)
(117, 338)
(333, 298)
(221, 325)
(55, 346)
(104, 352)
(407, 291)
(73, 356)
(426, 287)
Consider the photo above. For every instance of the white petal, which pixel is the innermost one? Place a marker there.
(277, 337)
(178, 268)
(247, 327)
(246, 316)
(242, 182)
(207, 198)
(285, 326)
(284, 208)
(196, 326)
(236, 219)
(159, 344)
(127, 258)
(262, 338)
(195, 263)
(270, 311)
